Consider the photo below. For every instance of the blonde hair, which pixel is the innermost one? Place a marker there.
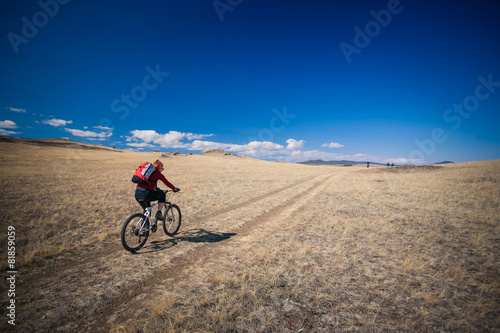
(158, 165)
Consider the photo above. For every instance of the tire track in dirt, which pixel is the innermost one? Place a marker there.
(134, 304)
(77, 291)
(91, 255)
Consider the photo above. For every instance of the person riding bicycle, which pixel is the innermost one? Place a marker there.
(150, 191)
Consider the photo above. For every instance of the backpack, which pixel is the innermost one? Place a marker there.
(142, 173)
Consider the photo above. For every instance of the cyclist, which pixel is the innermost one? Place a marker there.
(150, 192)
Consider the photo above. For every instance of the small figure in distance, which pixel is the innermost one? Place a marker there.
(392, 164)
(388, 164)
(367, 164)
(150, 191)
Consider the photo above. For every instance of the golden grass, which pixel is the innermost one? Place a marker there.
(67, 198)
(375, 251)
(328, 249)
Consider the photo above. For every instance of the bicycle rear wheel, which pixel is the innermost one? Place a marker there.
(172, 220)
(133, 238)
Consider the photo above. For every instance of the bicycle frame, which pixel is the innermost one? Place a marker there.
(147, 214)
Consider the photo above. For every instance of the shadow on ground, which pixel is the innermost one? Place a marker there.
(192, 236)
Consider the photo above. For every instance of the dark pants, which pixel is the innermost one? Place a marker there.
(145, 196)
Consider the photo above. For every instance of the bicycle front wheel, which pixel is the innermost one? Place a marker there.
(135, 232)
(172, 220)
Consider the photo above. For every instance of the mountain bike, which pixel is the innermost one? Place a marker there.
(136, 229)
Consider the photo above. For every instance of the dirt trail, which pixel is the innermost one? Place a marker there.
(99, 292)
(132, 306)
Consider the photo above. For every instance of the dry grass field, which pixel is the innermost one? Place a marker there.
(263, 246)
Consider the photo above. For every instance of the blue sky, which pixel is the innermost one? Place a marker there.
(408, 81)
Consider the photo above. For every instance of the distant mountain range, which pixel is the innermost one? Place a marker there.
(343, 162)
(444, 162)
(348, 163)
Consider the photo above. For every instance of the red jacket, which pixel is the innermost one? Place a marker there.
(153, 179)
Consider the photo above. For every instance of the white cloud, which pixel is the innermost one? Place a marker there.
(104, 128)
(56, 122)
(332, 145)
(146, 136)
(191, 136)
(292, 152)
(175, 139)
(172, 139)
(8, 124)
(402, 160)
(294, 144)
(306, 155)
(259, 149)
(7, 133)
(208, 145)
(19, 110)
(169, 140)
(89, 134)
(141, 145)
